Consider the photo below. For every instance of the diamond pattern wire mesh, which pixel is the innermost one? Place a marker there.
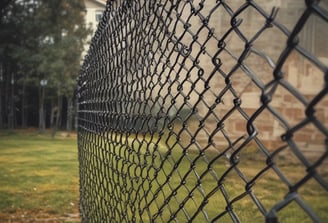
(205, 111)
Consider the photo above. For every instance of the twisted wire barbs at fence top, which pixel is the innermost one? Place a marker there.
(205, 111)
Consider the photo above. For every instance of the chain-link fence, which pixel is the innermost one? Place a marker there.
(205, 111)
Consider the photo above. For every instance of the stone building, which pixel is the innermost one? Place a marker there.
(192, 80)
(177, 58)
(94, 10)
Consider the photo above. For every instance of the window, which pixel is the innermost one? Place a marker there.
(99, 15)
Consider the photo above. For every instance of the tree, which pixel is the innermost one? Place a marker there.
(10, 26)
(42, 40)
(67, 30)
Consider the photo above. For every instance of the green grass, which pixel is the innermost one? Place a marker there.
(145, 185)
(38, 174)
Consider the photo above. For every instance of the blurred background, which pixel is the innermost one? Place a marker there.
(42, 45)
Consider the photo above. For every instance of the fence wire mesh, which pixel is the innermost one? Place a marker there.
(205, 111)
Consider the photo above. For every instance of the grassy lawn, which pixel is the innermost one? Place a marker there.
(161, 185)
(39, 182)
(39, 177)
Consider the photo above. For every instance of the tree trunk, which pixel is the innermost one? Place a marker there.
(11, 115)
(1, 90)
(76, 114)
(56, 116)
(69, 119)
(60, 108)
(6, 97)
(53, 120)
(42, 123)
(1, 118)
(24, 120)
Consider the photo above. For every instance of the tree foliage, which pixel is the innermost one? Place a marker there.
(40, 39)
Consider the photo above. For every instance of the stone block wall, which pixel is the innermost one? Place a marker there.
(193, 80)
